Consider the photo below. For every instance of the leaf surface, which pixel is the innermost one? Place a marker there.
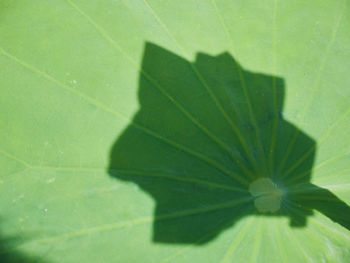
(132, 130)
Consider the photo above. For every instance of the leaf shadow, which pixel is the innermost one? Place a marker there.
(207, 130)
(9, 252)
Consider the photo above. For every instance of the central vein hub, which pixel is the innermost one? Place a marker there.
(267, 195)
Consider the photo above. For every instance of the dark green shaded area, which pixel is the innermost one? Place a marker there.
(203, 133)
(10, 254)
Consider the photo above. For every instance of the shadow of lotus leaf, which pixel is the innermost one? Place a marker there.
(210, 145)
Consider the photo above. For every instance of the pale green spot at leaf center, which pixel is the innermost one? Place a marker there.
(267, 195)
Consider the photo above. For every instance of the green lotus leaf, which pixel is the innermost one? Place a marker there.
(174, 131)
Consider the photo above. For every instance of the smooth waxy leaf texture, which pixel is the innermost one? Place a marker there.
(174, 131)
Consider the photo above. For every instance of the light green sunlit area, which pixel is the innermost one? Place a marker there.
(174, 131)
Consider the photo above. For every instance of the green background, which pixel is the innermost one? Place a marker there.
(69, 83)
